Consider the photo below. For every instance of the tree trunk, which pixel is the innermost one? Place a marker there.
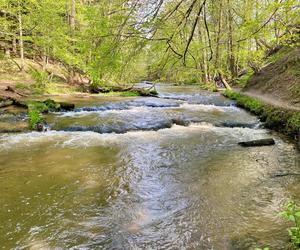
(72, 15)
(21, 43)
(231, 59)
(45, 59)
(204, 58)
(218, 36)
(14, 46)
(7, 52)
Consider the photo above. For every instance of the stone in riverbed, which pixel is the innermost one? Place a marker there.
(181, 122)
(42, 127)
(258, 143)
(67, 106)
(57, 106)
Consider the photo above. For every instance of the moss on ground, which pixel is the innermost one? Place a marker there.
(122, 94)
(279, 119)
(209, 86)
(243, 80)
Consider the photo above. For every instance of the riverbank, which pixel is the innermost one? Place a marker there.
(273, 92)
(277, 118)
(23, 92)
(36, 80)
(277, 83)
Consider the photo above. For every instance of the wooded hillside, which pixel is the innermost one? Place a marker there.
(113, 41)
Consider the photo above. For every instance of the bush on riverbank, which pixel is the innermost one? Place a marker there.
(34, 113)
(292, 214)
(275, 118)
(36, 108)
(34, 118)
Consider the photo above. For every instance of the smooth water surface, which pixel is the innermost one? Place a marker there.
(146, 173)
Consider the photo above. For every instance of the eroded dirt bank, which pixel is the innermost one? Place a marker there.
(278, 83)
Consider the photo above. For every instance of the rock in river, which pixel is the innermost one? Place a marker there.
(258, 143)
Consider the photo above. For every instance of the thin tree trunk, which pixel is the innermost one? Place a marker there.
(72, 16)
(218, 35)
(14, 46)
(7, 52)
(6, 46)
(21, 42)
(45, 59)
(231, 59)
(203, 63)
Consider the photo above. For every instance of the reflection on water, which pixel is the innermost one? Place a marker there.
(177, 187)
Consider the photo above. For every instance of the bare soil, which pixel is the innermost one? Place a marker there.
(278, 83)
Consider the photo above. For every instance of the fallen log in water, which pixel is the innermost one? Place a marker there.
(258, 143)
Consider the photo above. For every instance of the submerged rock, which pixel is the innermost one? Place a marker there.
(181, 122)
(42, 127)
(235, 124)
(124, 127)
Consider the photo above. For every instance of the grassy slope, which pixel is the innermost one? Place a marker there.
(29, 82)
(279, 80)
(279, 119)
(33, 81)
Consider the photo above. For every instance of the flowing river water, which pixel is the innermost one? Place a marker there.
(146, 173)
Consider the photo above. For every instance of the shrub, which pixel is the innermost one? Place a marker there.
(293, 124)
(41, 79)
(292, 214)
(35, 108)
(38, 106)
(34, 118)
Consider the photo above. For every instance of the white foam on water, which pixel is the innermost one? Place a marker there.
(132, 109)
(208, 107)
(89, 138)
(55, 139)
(76, 113)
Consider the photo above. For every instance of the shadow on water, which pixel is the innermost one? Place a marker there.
(160, 173)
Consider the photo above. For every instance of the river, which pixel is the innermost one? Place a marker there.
(146, 173)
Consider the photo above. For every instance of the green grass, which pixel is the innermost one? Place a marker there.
(279, 55)
(123, 94)
(59, 88)
(209, 86)
(243, 80)
(279, 119)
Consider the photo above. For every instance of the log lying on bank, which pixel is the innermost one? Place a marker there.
(258, 143)
(6, 103)
(12, 90)
(9, 101)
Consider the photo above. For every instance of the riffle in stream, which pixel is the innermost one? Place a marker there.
(146, 173)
